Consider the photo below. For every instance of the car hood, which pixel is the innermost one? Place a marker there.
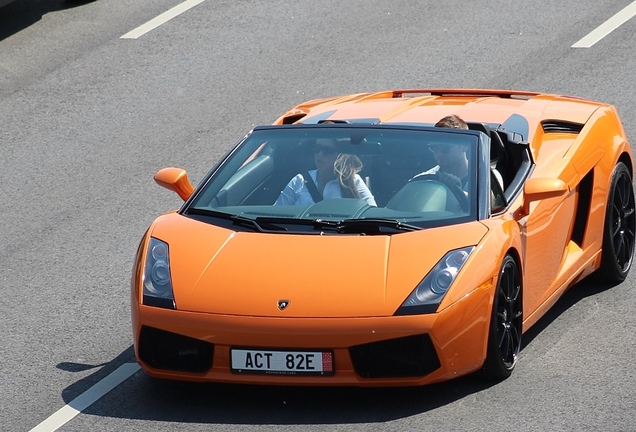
(216, 270)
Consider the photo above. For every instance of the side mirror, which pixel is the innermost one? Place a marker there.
(536, 189)
(176, 180)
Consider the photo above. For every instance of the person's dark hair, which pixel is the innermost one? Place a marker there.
(346, 168)
(452, 121)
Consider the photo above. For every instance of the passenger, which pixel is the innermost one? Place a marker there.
(336, 176)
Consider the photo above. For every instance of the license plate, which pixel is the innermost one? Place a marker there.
(282, 362)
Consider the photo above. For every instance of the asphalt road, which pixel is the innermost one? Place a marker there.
(89, 117)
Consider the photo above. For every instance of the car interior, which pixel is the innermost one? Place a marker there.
(387, 171)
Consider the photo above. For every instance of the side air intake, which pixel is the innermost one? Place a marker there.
(557, 126)
(293, 118)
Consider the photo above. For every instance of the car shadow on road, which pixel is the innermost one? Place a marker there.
(207, 403)
(20, 14)
(141, 397)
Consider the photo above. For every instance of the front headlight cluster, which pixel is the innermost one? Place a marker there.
(157, 281)
(429, 293)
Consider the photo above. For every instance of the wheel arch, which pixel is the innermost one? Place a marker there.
(513, 251)
(504, 338)
(516, 255)
(627, 160)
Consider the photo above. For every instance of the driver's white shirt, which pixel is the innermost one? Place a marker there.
(465, 182)
(434, 170)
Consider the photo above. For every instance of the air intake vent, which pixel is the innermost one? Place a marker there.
(293, 118)
(165, 350)
(410, 356)
(556, 126)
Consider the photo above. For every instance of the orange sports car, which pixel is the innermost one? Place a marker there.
(402, 237)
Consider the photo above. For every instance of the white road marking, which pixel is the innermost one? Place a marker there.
(607, 27)
(86, 399)
(161, 19)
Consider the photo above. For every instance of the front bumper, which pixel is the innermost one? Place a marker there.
(382, 351)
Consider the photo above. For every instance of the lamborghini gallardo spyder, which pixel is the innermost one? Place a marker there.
(334, 248)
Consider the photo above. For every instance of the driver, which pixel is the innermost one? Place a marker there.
(452, 163)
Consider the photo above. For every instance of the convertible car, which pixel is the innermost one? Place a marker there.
(262, 277)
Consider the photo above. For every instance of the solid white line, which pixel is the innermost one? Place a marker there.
(607, 27)
(161, 19)
(86, 399)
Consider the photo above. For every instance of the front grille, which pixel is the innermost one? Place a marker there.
(410, 356)
(165, 350)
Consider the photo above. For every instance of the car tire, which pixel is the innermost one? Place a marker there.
(619, 228)
(504, 335)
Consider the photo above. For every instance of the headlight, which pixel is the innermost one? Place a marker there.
(429, 293)
(157, 280)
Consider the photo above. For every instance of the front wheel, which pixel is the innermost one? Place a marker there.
(504, 335)
(620, 227)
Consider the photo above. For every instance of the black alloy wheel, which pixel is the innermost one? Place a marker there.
(619, 233)
(504, 337)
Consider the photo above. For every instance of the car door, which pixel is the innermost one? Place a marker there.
(546, 233)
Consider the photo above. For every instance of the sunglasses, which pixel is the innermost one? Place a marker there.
(325, 150)
(436, 148)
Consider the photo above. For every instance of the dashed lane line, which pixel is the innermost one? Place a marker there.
(607, 27)
(161, 19)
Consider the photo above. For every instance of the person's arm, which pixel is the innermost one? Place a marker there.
(428, 172)
(364, 191)
(289, 195)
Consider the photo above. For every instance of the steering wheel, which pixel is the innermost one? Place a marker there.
(455, 189)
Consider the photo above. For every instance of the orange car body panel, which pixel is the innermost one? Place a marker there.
(303, 268)
(388, 267)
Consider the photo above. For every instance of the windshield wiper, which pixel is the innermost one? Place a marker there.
(261, 226)
(365, 226)
(346, 226)
(257, 224)
(373, 226)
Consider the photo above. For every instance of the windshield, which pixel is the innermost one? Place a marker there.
(303, 178)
